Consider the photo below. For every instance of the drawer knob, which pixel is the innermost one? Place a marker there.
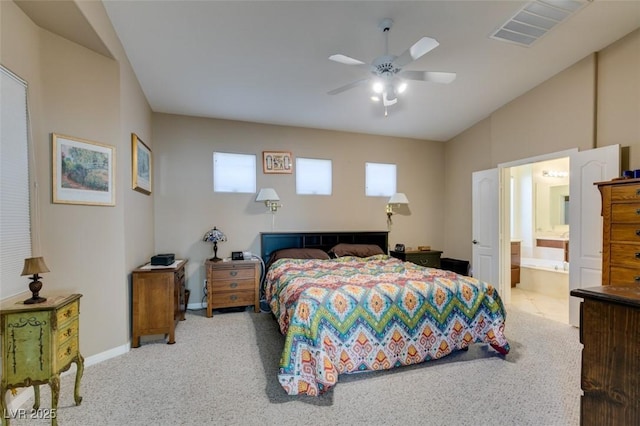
(67, 314)
(638, 192)
(638, 211)
(234, 285)
(234, 297)
(67, 333)
(638, 255)
(234, 273)
(636, 278)
(638, 232)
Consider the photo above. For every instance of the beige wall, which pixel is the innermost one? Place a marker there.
(558, 114)
(77, 92)
(186, 206)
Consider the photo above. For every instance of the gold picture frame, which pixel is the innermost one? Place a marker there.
(277, 162)
(141, 165)
(83, 171)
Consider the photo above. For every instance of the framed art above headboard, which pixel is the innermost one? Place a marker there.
(272, 241)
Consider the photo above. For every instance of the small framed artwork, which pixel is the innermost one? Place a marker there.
(83, 171)
(277, 162)
(141, 165)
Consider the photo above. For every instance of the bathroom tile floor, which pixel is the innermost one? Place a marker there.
(556, 309)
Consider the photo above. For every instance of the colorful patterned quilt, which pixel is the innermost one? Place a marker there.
(353, 314)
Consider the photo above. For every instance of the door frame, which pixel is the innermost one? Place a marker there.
(504, 217)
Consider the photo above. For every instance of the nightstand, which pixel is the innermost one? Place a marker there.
(232, 283)
(159, 300)
(39, 342)
(428, 258)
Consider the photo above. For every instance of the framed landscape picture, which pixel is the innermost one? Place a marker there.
(83, 171)
(141, 164)
(277, 162)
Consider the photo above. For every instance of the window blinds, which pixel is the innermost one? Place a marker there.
(15, 222)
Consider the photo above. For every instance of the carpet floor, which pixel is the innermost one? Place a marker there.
(223, 371)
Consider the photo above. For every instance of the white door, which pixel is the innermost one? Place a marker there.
(585, 221)
(485, 223)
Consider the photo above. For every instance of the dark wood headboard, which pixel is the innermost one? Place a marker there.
(272, 241)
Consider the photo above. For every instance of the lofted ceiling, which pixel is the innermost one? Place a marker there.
(267, 61)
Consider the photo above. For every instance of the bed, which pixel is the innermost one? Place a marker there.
(365, 310)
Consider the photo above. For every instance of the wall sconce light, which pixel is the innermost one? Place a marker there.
(395, 201)
(34, 266)
(270, 198)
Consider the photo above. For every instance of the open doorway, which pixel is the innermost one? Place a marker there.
(539, 237)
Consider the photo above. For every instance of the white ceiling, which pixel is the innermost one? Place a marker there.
(267, 61)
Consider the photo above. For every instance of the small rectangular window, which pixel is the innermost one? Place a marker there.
(234, 172)
(313, 176)
(380, 179)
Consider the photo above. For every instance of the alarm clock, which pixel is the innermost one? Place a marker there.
(399, 247)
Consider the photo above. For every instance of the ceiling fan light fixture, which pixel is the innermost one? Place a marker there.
(402, 87)
(378, 87)
(375, 98)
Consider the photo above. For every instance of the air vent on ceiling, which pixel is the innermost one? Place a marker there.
(535, 19)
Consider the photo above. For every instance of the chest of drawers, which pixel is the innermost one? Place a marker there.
(158, 301)
(232, 283)
(428, 258)
(621, 232)
(610, 334)
(40, 341)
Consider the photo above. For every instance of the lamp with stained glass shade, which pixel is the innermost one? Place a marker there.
(213, 236)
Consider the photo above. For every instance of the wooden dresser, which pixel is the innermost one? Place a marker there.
(610, 334)
(621, 231)
(232, 283)
(39, 342)
(158, 300)
(428, 258)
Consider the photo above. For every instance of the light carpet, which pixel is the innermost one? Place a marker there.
(223, 371)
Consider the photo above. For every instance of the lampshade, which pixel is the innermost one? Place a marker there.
(398, 198)
(34, 266)
(267, 194)
(214, 235)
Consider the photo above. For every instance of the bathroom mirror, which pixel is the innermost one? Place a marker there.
(551, 207)
(559, 205)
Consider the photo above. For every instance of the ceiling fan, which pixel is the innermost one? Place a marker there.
(387, 77)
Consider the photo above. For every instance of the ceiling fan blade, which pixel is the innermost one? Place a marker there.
(419, 48)
(345, 60)
(348, 86)
(432, 76)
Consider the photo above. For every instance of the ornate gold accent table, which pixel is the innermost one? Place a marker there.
(39, 342)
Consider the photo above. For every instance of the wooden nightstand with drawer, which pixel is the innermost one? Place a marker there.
(232, 283)
(428, 258)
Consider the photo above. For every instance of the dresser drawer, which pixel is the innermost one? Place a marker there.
(625, 193)
(626, 255)
(627, 233)
(428, 260)
(624, 276)
(66, 352)
(67, 331)
(231, 285)
(231, 299)
(625, 213)
(68, 312)
(232, 273)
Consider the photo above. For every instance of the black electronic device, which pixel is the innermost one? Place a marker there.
(237, 255)
(400, 248)
(165, 259)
